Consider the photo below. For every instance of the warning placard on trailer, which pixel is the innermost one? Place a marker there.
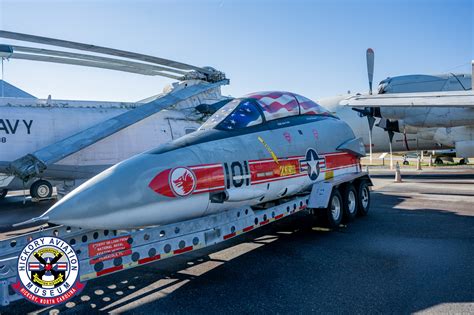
(110, 249)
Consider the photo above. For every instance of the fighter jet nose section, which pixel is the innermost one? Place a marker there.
(120, 188)
(80, 204)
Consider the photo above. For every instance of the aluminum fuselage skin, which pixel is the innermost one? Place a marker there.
(123, 196)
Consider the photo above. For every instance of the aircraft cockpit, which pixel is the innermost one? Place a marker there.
(258, 108)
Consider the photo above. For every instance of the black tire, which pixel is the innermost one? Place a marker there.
(350, 203)
(334, 211)
(438, 161)
(406, 163)
(363, 198)
(41, 189)
(3, 193)
(462, 161)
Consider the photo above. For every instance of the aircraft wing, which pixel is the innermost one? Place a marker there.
(422, 99)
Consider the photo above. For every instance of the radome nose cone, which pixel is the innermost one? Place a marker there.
(76, 208)
(85, 205)
(109, 199)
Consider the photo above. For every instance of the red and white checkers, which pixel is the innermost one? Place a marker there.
(276, 104)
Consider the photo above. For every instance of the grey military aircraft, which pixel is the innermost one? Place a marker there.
(256, 149)
(409, 127)
(46, 142)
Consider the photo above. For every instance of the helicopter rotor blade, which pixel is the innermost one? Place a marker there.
(58, 53)
(101, 50)
(93, 64)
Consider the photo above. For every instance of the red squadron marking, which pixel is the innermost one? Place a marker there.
(267, 170)
(210, 177)
(339, 160)
(182, 181)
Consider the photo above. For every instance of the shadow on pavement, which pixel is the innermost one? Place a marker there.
(394, 260)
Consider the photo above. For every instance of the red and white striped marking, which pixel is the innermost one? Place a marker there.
(61, 266)
(35, 266)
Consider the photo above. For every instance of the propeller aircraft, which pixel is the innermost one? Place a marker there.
(427, 126)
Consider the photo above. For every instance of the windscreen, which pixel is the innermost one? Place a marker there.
(237, 114)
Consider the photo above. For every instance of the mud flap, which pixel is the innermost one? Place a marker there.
(321, 191)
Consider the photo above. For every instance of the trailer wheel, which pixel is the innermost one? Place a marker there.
(41, 189)
(3, 193)
(350, 203)
(363, 199)
(335, 209)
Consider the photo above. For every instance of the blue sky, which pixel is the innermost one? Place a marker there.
(315, 48)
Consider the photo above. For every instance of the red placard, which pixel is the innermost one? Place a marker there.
(109, 249)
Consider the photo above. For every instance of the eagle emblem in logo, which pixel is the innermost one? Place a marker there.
(182, 181)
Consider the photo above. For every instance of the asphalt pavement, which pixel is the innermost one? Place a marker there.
(414, 252)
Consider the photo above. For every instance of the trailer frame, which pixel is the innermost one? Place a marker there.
(103, 252)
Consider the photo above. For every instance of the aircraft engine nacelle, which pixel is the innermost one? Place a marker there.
(408, 128)
(426, 134)
(465, 149)
(462, 138)
(429, 117)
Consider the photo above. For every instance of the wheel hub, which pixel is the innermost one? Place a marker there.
(43, 191)
(335, 208)
(365, 197)
(351, 202)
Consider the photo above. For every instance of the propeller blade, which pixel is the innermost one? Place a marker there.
(100, 50)
(370, 67)
(390, 135)
(371, 121)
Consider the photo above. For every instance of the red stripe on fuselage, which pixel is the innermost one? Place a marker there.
(269, 169)
(211, 177)
(161, 185)
(339, 160)
(208, 177)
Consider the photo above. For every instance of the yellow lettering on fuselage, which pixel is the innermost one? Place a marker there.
(286, 170)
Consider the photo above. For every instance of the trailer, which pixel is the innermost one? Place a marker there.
(103, 252)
